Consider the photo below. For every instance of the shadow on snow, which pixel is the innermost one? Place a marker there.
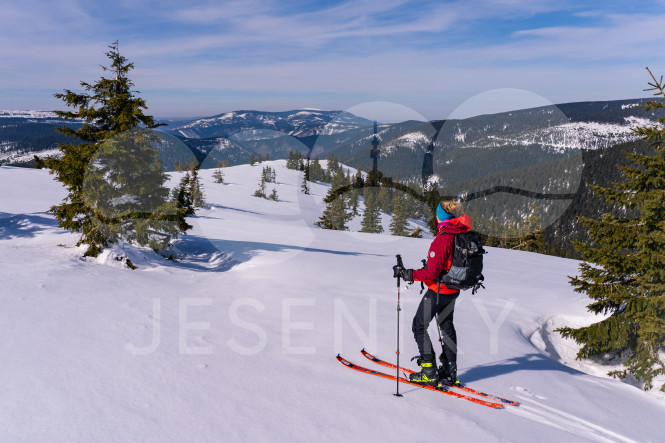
(24, 225)
(528, 362)
(216, 255)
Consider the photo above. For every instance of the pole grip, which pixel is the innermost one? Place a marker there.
(401, 265)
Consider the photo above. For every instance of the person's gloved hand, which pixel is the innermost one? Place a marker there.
(405, 274)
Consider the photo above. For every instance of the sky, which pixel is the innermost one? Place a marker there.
(438, 59)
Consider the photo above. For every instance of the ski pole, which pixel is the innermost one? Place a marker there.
(401, 265)
(438, 327)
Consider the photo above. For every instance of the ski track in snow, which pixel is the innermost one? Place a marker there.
(555, 418)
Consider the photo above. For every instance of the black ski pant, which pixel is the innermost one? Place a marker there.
(440, 306)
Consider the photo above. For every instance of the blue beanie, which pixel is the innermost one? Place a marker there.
(441, 214)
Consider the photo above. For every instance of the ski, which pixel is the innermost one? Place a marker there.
(447, 384)
(431, 388)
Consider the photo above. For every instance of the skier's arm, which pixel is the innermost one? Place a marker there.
(438, 256)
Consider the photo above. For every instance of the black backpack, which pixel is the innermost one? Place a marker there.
(466, 271)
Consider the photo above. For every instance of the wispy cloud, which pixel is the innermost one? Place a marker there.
(422, 53)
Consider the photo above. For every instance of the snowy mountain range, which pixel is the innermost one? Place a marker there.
(28, 114)
(235, 339)
(415, 150)
(551, 129)
(297, 123)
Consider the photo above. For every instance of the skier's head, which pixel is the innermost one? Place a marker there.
(448, 209)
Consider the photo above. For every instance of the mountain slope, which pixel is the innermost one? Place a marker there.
(299, 123)
(250, 318)
(552, 129)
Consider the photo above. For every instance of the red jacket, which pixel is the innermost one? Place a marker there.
(440, 255)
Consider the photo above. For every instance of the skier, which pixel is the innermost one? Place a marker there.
(439, 300)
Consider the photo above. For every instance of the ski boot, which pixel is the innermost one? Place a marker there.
(428, 374)
(448, 372)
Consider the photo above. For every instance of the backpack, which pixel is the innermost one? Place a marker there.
(467, 266)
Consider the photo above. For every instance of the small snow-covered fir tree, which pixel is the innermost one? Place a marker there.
(304, 188)
(384, 200)
(371, 221)
(335, 215)
(218, 175)
(316, 172)
(195, 189)
(261, 192)
(398, 225)
(293, 160)
(269, 175)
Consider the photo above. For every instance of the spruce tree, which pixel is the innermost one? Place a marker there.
(359, 181)
(398, 225)
(124, 186)
(252, 160)
(331, 168)
(195, 191)
(316, 172)
(371, 221)
(38, 163)
(261, 192)
(624, 268)
(304, 188)
(384, 200)
(306, 178)
(182, 194)
(531, 234)
(290, 159)
(112, 115)
(269, 175)
(218, 175)
(354, 199)
(415, 206)
(334, 215)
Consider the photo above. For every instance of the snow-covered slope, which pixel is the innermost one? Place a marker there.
(577, 135)
(27, 114)
(299, 122)
(236, 340)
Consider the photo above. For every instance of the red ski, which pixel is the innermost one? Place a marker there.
(443, 390)
(445, 383)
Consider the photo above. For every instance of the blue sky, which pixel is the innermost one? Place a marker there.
(436, 58)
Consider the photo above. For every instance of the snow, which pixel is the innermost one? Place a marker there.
(8, 155)
(411, 140)
(560, 138)
(236, 339)
(635, 122)
(27, 114)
